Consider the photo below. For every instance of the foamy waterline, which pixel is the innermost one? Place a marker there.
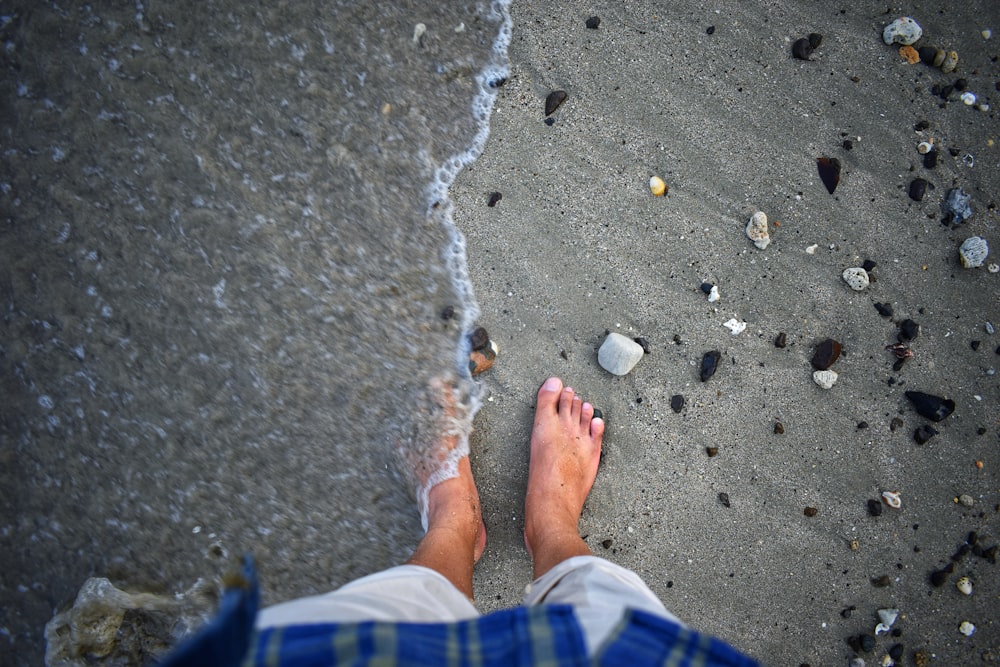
(439, 205)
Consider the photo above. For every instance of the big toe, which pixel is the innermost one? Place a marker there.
(548, 396)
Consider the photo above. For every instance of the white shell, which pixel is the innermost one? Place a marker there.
(993, 268)
(618, 354)
(888, 616)
(825, 379)
(657, 186)
(973, 252)
(966, 628)
(902, 31)
(892, 499)
(735, 326)
(757, 230)
(811, 250)
(714, 295)
(968, 98)
(857, 278)
(925, 147)
(881, 629)
(965, 585)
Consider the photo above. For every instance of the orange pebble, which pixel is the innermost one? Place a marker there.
(979, 464)
(909, 54)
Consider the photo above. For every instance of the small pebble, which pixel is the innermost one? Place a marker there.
(607, 543)
(724, 499)
(924, 433)
(967, 628)
(780, 340)
(895, 424)
(880, 582)
(856, 278)
(494, 198)
(709, 364)
(874, 507)
(896, 651)
(657, 186)
(966, 500)
(825, 378)
(677, 403)
(712, 451)
(779, 428)
(618, 355)
(973, 252)
(593, 22)
(884, 309)
(918, 187)
(644, 344)
(810, 511)
(829, 172)
(554, 99)
(710, 30)
(757, 230)
(825, 354)
(903, 30)
(964, 586)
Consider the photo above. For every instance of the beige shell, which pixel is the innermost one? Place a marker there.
(619, 354)
(657, 186)
(892, 499)
(757, 230)
(825, 379)
(964, 585)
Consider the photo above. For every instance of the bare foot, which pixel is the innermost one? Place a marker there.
(453, 506)
(565, 453)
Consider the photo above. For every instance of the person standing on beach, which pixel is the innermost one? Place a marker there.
(579, 609)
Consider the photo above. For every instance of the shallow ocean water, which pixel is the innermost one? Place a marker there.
(226, 254)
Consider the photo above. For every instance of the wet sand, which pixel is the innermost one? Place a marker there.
(578, 246)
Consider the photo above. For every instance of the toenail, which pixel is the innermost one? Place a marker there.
(552, 384)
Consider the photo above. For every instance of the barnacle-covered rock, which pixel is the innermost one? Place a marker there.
(903, 30)
(973, 252)
(757, 230)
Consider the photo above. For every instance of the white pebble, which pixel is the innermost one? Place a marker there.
(964, 585)
(973, 252)
(987, 33)
(825, 379)
(990, 329)
(966, 628)
(968, 98)
(903, 30)
(619, 354)
(857, 278)
(925, 147)
(735, 326)
(993, 268)
(714, 295)
(757, 230)
(811, 250)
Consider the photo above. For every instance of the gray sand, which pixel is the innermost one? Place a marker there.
(578, 246)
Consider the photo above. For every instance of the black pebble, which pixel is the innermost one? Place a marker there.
(874, 507)
(930, 406)
(644, 344)
(918, 188)
(829, 172)
(782, 339)
(479, 339)
(961, 85)
(867, 643)
(593, 22)
(908, 330)
(494, 198)
(448, 312)
(710, 30)
(884, 309)
(862, 425)
(709, 363)
(599, 415)
(898, 365)
(550, 121)
(927, 54)
(552, 102)
(895, 424)
(779, 428)
(981, 430)
(975, 345)
(825, 354)
(606, 544)
(847, 611)
(869, 265)
(677, 403)
(930, 159)
(896, 651)
(848, 145)
(923, 124)
(924, 433)
(707, 288)
(802, 49)
(724, 499)
(815, 39)
(880, 582)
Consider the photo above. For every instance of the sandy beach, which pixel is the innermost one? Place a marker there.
(712, 100)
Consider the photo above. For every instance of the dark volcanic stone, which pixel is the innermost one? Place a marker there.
(677, 403)
(802, 49)
(815, 39)
(895, 424)
(643, 343)
(927, 54)
(924, 433)
(479, 339)
(829, 172)
(908, 330)
(710, 30)
(598, 415)
(554, 99)
(779, 428)
(594, 21)
(493, 199)
(874, 507)
(707, 288)
(448, 312)
(884, 309)
(810, 511)
(712, 451)
(606, 543)
(896, 651)
(932, 407)
(709, 364)
(930, 159)
(869, 265)
(918, 188)
(975, 345)
(781, 340)
(724, 499)
(825, 354)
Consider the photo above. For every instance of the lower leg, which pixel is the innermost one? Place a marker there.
(565, 453)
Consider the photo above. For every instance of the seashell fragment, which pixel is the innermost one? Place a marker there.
(932, 407)
(888, 616)
(909, 54)
(968, 98)
(657, 186)
(892, 499)
(964, 585)
(757, 230)
(857, 278)
(825, 378)
(552, 102)
(925, 147)
(973, 252)
(903, 30)
(735, 326)
(829, 172)
(619, 354)
(950, 62)
(967, 628)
